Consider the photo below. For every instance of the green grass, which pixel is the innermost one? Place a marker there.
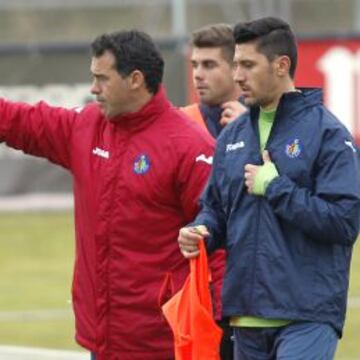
(36, 262)
(349, 346)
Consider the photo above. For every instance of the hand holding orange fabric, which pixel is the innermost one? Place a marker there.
(190, 315)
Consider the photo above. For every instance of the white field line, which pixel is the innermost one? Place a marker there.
(36, 202)
(35, 315)
(27, 353)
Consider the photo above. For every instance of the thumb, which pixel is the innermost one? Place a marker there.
(201, 230)
(266, 156)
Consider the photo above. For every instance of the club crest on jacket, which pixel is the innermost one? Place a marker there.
(141, 164)
(293, 150)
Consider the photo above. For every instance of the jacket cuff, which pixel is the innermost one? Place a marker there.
(264, 176)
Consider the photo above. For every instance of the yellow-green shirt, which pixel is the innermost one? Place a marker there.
(266, 120)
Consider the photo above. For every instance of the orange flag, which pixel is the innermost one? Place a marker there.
(190, 315)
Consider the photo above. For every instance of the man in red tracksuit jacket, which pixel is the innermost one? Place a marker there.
(138, 167)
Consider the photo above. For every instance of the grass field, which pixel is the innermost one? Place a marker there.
(36, 262)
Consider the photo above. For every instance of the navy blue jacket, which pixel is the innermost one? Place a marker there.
(289, 251)
(212, 116)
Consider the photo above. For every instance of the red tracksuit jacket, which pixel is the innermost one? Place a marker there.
(136, 182)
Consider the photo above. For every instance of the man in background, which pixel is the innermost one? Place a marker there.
(284, 200)
(212, 56)
(138, 166)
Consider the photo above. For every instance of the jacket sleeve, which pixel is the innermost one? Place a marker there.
(39, 130)
(193, 176)
(193, 172)
(331, 212)
(212, 214)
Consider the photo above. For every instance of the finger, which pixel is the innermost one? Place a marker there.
(236, 107)
(200, 230)
(266, 156)
(190, 233)
(190, 255)
(189, 247)
(227, 120)
(233, 105)
(249, 186)
(226, 112)
(226, 104)
(250, 167)
(188, 239)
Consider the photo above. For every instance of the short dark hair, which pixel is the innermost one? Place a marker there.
(214, 36)
(273, 37)
(133, 50)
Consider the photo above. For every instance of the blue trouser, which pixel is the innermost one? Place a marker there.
(297, 341)
(93, 357)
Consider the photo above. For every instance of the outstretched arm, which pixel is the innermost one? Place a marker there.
(39, 130)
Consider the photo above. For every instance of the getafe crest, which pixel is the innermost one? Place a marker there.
(293, 150)
(141, 164)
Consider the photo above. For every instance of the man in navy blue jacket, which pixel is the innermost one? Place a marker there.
(212, 55)
(284, 201)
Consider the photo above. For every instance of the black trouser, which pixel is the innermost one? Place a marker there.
(227, 343)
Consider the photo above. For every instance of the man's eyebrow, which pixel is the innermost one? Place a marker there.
(96, 74)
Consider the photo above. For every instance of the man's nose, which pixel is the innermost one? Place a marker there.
(198, 73)
(94, 89)
(238, 75)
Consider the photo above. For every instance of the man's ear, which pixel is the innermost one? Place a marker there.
(282, 65)
(136, 80)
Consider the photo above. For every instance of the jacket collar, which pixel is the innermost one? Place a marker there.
(146, 115)
(212, 115)
(293, 101)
